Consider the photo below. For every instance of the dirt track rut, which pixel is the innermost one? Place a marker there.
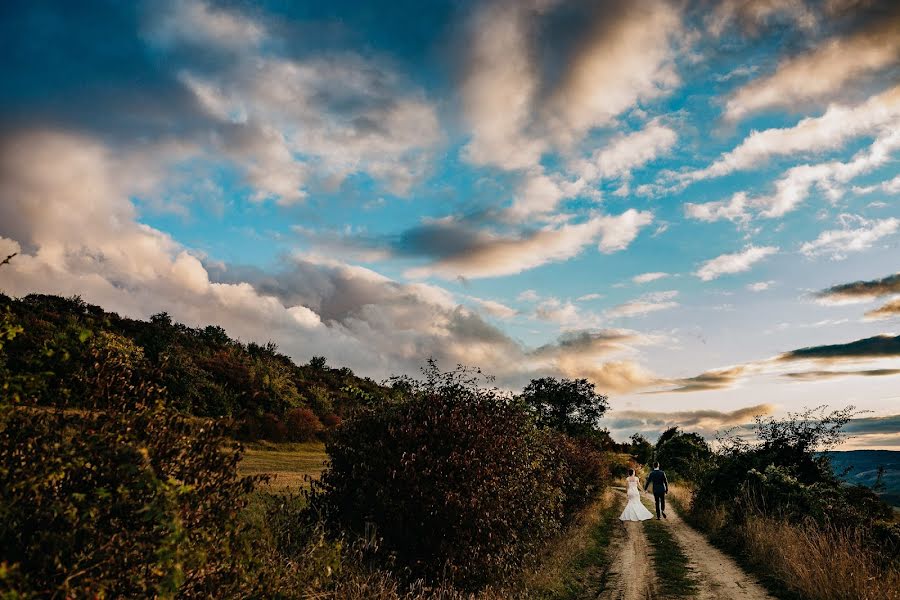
(718, 576)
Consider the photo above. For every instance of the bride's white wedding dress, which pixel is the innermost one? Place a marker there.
(634, 510)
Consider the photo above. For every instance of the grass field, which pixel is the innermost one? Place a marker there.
(287, 464)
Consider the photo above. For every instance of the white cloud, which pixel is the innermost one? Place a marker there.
(627, 58)
(796, 184)
(648, 277)
(752, 15)
(734, 210)
(494, 308)
(589, 297)
(515, 115)
(891, 186)
(528, 296)
(287, 122)
(628, 151)
(617, 232)
(647, 303)
(564, 313)
(833, 129)
(196, 22)
(738, 262)
(837, 243)
(760, 286)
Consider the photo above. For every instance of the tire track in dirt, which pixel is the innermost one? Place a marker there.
(630, 575)
(720, 578)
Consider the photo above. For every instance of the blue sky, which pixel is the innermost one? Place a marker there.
(659, 196)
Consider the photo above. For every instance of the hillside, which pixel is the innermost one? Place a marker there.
(860, 467)
(206, 373)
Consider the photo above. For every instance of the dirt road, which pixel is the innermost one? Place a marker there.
(718, 576)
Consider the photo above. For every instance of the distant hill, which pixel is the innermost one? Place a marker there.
(860, 467)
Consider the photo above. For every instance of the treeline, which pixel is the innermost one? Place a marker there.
(259, 392)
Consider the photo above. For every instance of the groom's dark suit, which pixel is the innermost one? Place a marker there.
(660, 488)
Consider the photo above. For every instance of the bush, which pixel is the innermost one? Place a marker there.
(456, 481)
(582, 472)
(132, 500)
(302, 425)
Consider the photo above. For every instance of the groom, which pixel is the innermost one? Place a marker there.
(660, 488)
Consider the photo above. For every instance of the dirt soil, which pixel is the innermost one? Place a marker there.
(719, 577)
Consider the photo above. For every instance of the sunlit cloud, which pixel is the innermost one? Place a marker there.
(738, 262)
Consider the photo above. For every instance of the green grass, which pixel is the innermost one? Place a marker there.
(675, 578)
(288, 464)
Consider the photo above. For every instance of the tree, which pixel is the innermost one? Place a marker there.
(641, 449)
(682, 454)
(571, 406)
(318, 362)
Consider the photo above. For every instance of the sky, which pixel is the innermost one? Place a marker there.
(692, 204)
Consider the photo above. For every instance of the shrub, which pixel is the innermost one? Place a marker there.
(456, 481)
(272, 428)
(331, 420)
(302, 424)
(777, 502)
(133, 500)
(123, 503)
(581, 473)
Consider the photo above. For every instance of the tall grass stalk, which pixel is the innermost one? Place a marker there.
(819, 563)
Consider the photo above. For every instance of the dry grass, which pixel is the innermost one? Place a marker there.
(384, 586)
(288, 464)
(814, 562)
(820, 564)
(576, 558)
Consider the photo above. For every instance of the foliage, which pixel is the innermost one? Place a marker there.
(683, 455)
(456, 479)
(571, 406)
(786, 476)
(127, 498)
(641, 449)
(581, 471)
(204, 371)
(302, 425)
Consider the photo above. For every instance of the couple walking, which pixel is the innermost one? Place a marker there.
(634, 510)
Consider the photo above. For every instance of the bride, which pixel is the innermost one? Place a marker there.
(634, 510)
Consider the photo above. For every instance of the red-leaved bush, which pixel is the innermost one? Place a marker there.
(302, 424)
(454, 482)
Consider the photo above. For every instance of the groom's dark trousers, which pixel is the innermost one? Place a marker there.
(660, 488)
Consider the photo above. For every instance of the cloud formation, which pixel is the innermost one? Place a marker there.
(738, 262)
(862, 290)
(516, 111)
(879, 346)
(458, 250)
(838, 125)
(704, 422)
(647, 303)
(837, 243)
(824, 71)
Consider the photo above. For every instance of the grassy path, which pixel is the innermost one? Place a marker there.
(675, 576)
